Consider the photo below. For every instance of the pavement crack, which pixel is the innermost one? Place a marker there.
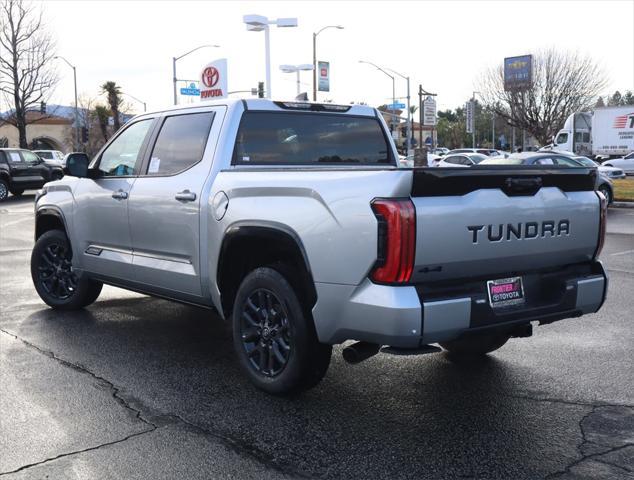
(238, 446)
(80, 368)
(585, 441)
(67, 454)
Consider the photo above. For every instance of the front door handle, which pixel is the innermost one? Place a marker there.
(119, 195)
(185, 196)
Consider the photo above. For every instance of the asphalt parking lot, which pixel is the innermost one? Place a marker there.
(137, 387)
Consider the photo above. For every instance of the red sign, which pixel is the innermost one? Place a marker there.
(210, 76)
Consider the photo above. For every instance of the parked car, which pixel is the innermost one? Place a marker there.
(461, 159)
(612, 173)
(554, 158)
(626, 163)
(440, 151)
(52, 157)
(293, 221)
(22, 169)
(489, 152)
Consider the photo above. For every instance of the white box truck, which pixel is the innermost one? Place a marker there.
(606, 132)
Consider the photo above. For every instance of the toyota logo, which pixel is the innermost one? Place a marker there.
(210, 76)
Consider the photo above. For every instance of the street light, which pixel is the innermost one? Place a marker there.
(140, 101)
(393, 87)
(296, 69)
(174, 59)
(257, 23)
(338, 27)
(77, 142)
(409, 114)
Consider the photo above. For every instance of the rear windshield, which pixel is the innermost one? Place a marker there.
(47, 155)
(283, 138)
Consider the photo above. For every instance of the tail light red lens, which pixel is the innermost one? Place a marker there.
(396, 240)
(603, 218)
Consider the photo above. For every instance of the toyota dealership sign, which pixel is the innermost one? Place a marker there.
(213, 80)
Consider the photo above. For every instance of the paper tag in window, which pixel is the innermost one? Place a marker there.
(155, 163)
(246, 159)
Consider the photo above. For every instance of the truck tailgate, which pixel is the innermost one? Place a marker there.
(491, 220)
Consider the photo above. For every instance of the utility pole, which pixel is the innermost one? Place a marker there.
(473, 131)
(493, 129)
(420, 116)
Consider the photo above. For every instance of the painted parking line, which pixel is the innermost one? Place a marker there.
(622, 253)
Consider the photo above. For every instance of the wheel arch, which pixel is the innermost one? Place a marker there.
(49, 218)
(249, 246)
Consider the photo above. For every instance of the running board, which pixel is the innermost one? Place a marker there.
(422, 350)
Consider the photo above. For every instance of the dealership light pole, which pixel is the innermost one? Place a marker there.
(409, 114)
(175, 59)
(140, 101)
(393, 88)
(339, 27)
(77, 138)
(257, 23)
(296, 69)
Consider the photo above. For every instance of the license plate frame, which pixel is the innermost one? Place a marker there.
(506, 292)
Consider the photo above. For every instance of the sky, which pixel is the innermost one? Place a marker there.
(443, 45)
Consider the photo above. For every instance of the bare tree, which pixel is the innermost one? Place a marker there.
(26, 50)
(563, 83)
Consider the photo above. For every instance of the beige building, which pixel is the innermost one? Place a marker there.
(43, 132)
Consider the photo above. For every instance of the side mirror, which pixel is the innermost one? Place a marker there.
(77, 165)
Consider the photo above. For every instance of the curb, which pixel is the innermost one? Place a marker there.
(622, 204)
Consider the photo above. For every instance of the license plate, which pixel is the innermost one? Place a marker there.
(505, 292)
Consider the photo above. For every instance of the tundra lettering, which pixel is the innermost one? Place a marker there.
(496, 233)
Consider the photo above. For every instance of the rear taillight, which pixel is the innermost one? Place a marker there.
(396, 240)
(603, 214)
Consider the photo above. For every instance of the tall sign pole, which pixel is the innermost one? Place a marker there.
(420, 116)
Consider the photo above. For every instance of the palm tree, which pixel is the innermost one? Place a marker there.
(113, 91)
(102, 113)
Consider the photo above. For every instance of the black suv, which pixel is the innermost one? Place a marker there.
(21, 170)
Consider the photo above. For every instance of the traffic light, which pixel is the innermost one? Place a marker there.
(260, 89)
(84, 135)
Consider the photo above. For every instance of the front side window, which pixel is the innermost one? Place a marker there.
(569, 162)
(180, 143)
(544, 161)
(122, 155)
(562, 138)
(276, 138)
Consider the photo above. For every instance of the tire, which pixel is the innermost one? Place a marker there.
(55, 282)
(4, 190)
(606, 193)
(476, 346)
(274, 337)
(16, 192)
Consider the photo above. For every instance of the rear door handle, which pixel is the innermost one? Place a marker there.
(119, 195)
(185, 196)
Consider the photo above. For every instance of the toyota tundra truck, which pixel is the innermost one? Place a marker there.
(294, 222)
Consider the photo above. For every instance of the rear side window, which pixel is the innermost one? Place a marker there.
(180, 143)
(276, 138)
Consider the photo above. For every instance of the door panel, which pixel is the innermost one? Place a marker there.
(164, 205)
(100, 220)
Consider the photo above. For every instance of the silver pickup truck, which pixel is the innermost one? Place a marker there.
(294, 222)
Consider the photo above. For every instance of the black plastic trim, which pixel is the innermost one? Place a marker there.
(436, 182)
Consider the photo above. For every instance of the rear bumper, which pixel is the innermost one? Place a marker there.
(412, 315)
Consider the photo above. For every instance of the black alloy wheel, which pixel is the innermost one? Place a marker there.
(55, 272)
(4, 190)
(265, 332)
